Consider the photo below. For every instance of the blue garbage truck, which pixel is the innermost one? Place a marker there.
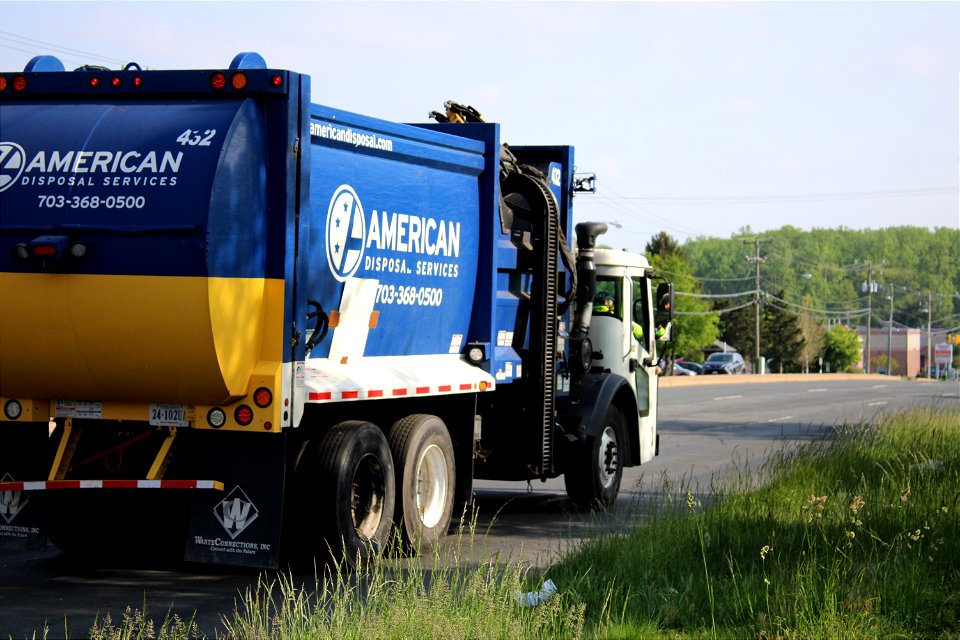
(238, 326)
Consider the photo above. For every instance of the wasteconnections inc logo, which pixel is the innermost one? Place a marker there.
(12, 161)
(11, 502)
(235, 512)
(346, 227)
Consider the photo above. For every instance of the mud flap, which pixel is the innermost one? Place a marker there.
(241, 525)
(23, 457)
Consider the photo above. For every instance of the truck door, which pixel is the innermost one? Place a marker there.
(643, 355)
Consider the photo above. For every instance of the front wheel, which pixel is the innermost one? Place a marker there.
(424, 458)
(596, 466)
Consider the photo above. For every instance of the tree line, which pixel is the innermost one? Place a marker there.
(811, 283)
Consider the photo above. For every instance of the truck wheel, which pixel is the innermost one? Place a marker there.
(354, 481)
(426, 474)
(596, 466)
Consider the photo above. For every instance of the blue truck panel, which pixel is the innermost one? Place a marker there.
(165, 188)
(398, 205)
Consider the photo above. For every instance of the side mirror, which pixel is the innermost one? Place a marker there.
(663, 314)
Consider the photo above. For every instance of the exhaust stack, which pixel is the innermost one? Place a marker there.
(581, 350)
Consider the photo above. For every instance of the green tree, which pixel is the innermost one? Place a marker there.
(841, 348)
(781, 337)
(828, 267)
(663, 245)
(738, 328)
(879, 363)
(693, 326)
(812, 332)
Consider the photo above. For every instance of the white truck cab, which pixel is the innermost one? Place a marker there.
(623, 332)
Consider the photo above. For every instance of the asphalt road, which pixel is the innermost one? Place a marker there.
(703, 431)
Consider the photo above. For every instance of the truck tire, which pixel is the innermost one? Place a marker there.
(425, 478)
(595, 467)
(353, 482)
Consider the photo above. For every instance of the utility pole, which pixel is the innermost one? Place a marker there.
(890, 332)
(869, 287)
(929, 319)
(756, 260)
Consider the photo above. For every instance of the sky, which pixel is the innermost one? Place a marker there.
(699, 119)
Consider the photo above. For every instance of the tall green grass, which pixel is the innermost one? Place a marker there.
(446, 595)
(855, 536)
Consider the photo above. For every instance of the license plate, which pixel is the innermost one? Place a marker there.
(169, 415)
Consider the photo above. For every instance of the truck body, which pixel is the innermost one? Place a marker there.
(237, 326)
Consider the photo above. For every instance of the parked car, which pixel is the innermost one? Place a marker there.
(679, 369)
(696, 367)
(724, 362)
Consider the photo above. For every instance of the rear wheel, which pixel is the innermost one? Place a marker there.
(425, 478)
(596, 466)
(346, 486)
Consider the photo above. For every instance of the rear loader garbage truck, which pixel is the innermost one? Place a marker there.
(237, 326)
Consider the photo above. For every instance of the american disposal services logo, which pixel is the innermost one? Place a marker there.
(12, 161)
(346, 227)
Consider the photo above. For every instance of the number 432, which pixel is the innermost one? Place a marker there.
(194, 138)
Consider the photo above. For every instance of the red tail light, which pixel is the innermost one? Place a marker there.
(243, 415)
(218, 81)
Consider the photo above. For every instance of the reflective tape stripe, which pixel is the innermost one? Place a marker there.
(111, 484)
(360, 394)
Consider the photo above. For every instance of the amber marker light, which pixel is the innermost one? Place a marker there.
(262, 397)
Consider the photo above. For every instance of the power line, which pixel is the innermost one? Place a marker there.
(9, 39)
(770, 296)
(795, 197)
(720, 311)
(623, 204)
(673, 273)
(715, 295)
(858, 314)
